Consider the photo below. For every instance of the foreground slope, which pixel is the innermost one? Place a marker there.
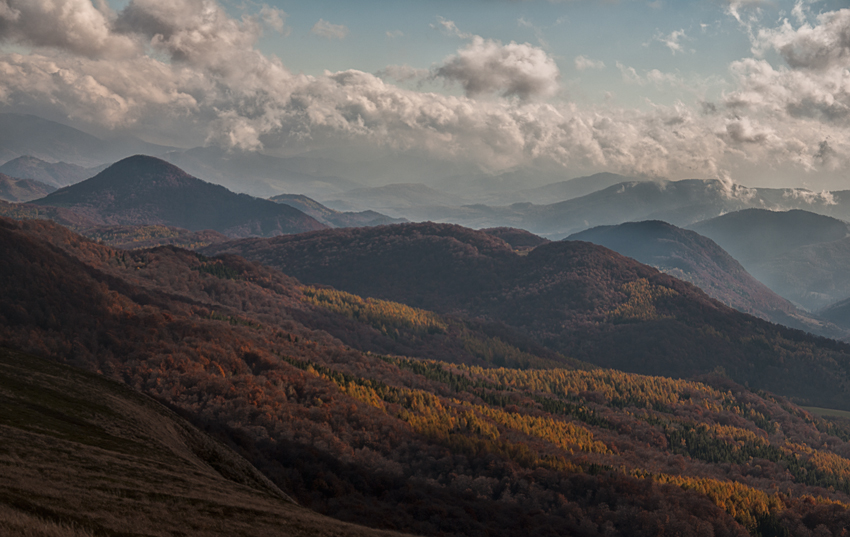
(146, 190)
(83, 455)
(579, 299)
(299, 380)
(699, 260)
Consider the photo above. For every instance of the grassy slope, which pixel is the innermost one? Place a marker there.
(82, 455)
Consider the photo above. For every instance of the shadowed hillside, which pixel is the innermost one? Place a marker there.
(84, 456)
(579, 299)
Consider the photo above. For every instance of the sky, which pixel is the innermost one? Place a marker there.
(752, 91)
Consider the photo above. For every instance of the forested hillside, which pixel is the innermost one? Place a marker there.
(333, 397)
(576, 298)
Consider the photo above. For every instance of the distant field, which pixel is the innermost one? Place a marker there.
(827, 412)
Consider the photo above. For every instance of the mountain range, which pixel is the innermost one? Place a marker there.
(578, 299)
(201, 362)
(382, 414)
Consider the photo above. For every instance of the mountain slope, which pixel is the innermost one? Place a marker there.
(90, 455)
(578, 299)
(333, 218)
(57, 174)
(755, 235)
(18, 190)
(699, 260)
(800, 255)
(278, 371)
(146, 190)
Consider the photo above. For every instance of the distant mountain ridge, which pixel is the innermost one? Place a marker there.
(147, 190)
(333, 218)
(800, 255)
(680, 203)
(19, 190)
(56, 174)
(689, 256)
(23, 134)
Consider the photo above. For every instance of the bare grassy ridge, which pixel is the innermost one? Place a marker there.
(82, 456)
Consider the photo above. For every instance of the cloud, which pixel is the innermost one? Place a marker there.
(404, 73)
(394, 33)
(329, 31)
(671, 41)
(274, 18)
(76, 26)
(450, 28)
(818, 48)
(582, 63)
(187, 68)
(487, 66)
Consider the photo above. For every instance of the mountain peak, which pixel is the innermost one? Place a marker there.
(144, 190)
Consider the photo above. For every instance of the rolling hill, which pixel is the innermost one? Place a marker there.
(578, 299)
(310, 385)
(691, 257)
(144, 190)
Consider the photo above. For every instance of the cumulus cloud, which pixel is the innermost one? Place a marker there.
(73, 25)
(327, 30)
(818, 48)
(274, 18)
(814, 83)
(187, 64)
(404, 73)
(487, 66)
(583, 62)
